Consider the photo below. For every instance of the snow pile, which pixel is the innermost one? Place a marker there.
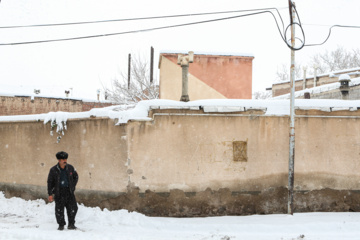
(141, 110)
(35, 220)
(57, 119)
(344, 76)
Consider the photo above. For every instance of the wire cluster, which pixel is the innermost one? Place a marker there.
(282, 32)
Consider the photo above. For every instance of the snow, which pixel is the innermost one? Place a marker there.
(47, 92)
(344, 76)
(35, 220)
(350, 71)
(140, 111)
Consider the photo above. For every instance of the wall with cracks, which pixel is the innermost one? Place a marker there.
(187, 163)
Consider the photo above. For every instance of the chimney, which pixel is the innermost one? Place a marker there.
(344, 80)
(184, 62)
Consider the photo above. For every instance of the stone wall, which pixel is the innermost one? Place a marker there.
(190, 163)
(23, 105)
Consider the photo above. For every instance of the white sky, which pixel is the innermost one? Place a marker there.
(85, 65)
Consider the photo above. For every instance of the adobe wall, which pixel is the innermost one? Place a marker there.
(23, 105)
(97, 149)
(187, 163)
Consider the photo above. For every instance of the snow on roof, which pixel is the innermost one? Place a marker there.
(344, 77)
(209, 53)
(319, 89)
(352, 71)
(141, 110)
(45, 92)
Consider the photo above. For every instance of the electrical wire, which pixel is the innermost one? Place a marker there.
(150, 29)
(260, 11)
(327, 38)
(141, 18)
(290, 25)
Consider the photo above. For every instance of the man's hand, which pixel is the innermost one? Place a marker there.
(51, 198)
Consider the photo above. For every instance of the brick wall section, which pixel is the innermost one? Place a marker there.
(25, 105)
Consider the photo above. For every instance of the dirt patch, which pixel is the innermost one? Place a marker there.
(178, 203)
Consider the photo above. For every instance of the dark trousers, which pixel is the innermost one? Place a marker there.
(67, 200)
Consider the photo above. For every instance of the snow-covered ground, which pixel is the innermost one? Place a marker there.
(35, 220)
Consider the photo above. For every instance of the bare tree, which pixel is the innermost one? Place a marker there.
(140, 87)
(283, 73)
(338, 59)
(262, 95)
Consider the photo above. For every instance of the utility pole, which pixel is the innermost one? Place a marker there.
(151, 64)
(184, 62)
(292, 114)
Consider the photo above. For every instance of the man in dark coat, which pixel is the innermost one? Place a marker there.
(61, 183)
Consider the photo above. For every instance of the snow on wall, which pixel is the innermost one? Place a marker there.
(45, 92)
(330, 74)
(320, 89)
(140, 111)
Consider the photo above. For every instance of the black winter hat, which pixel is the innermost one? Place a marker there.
(61, 155)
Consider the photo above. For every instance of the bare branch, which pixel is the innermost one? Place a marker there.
(140, 86)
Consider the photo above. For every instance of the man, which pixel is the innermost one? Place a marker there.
(61, 183)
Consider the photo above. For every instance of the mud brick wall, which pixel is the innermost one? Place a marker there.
(23, 105)
(187, 163)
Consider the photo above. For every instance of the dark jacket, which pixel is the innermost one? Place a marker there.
(53, 181)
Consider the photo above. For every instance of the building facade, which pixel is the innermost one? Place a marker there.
(282, 88)
(211, 76)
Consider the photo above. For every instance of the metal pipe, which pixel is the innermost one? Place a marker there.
(315, 68)
(185, 80)
(151, 64)
(304, 82)
(184, 62)
(292, 116)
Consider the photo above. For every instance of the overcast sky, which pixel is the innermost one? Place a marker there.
(86, 65)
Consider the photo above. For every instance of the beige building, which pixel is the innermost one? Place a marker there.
(309, 82)
(211, 76)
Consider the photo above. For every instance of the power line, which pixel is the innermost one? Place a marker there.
(290, 25)
(140, 18)
(149, 29)
(327, 38)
